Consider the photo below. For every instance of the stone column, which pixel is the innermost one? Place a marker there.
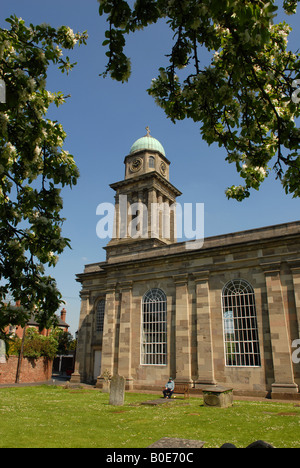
(81, 372)
(143, 229)
(122, 216)
(152, 214)
(182, 331)
(125, 340)
(173, 222)
(109, 332)
(205, 360)
(160, 215)
(116, 229)
(129, 216)
(281, 346)
(168, 209)
(166, 220)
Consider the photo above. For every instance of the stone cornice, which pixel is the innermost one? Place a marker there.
(156, 178)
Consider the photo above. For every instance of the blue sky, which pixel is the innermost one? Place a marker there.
(103, 118)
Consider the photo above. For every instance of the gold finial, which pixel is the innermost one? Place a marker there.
(148, 131)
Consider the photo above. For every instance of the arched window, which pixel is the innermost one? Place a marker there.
(151, 162)
(100, 311)
(154, 328)
(240, 325)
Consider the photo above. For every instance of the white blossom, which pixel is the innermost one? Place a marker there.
(10, 151)
(261, 170)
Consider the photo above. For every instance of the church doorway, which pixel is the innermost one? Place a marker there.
(97, 363)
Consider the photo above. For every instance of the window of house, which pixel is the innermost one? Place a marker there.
(154, 328)
(241, 337)
(151, 162)
(100, 311)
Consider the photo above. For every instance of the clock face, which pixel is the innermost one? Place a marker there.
(163, 169)
(136, 165)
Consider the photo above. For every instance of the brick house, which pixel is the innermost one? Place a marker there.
(37, 370)
(18, 330)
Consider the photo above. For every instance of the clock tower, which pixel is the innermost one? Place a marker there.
(145, 201)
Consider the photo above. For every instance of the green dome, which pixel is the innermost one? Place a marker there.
(147, 143)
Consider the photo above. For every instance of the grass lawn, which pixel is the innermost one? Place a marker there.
(49, 416)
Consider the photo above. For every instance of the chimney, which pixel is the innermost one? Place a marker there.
(63, 315)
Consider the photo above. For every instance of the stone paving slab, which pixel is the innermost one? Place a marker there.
(160, 401)
(168, 442)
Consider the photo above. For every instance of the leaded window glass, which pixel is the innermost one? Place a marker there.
(100, 311)
(154, 328)
(241, 337)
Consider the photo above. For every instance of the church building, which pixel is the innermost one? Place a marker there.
(224, 312)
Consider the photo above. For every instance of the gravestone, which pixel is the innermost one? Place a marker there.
(117, 390)
(218, 396)
(257, 444)
(105, 386)
(2, 352)
(169, 442)
(160, 401)
(2, 92)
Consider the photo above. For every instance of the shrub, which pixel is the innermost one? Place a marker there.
(35, 345)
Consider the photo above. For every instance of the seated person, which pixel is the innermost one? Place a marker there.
(169, 389)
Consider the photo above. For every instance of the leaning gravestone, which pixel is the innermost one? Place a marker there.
(2, 352)
(2, 92)
(169, 442)
(117, 390)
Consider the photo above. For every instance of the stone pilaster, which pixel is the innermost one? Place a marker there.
(81, 365)
(109, 332)
(295, 269)
(205, 361)
(182, 331)
(281, 346)
(125, 341)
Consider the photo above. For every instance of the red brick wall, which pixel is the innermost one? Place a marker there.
(32, 370)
